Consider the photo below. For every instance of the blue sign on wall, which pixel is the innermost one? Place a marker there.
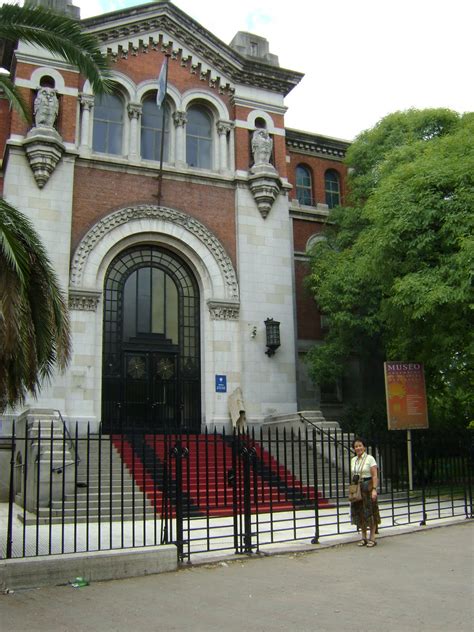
(221, 383)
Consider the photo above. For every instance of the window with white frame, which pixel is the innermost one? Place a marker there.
(304, 185)
(151, 129)
(332, 187)
(108, 124)
(199, 137)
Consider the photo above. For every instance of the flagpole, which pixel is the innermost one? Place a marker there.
(163, 121)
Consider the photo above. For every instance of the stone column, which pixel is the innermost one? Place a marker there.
(223, 130)
(87, 103)
(134, 114)
(180, 119)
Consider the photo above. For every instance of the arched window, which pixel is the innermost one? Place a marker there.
(152, 123)
(108, 124)
(304, 187)
(199, 138)
(332, 187)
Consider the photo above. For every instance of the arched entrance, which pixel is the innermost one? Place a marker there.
(151, 360)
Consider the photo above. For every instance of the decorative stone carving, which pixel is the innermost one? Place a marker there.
(224, 127)
(46, 107)
(43, 145)
(87, 102)
(84, 300)
(121, 217)
(134, 110)
(180, 119)
(265, 188)
(262, 145)
(223, 310)
(264, 181)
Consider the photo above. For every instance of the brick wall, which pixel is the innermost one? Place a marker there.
(98, 192)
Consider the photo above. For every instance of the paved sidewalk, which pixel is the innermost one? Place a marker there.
(408, 583)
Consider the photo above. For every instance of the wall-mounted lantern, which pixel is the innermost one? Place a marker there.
(272, 328)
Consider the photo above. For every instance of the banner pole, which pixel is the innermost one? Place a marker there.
(410, 461)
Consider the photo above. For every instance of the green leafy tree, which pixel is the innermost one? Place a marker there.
(34, 323)
(395, 274)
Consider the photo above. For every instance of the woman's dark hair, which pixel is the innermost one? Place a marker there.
(359, 440)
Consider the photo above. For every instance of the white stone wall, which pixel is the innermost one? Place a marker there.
(266, 291)
(49, 209)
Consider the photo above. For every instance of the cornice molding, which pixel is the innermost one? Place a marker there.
(304, 143)
(138, 27)
(83, 300)
(223, 310)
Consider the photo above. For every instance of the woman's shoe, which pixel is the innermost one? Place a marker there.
(362, 543)
(371, 543)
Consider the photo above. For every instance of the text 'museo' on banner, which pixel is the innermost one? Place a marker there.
(406, 395)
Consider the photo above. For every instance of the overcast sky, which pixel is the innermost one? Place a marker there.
(362, 59)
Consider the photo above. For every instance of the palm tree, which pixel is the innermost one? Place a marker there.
(34, 320)
(60, 35)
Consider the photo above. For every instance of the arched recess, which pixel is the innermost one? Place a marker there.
(181, 237)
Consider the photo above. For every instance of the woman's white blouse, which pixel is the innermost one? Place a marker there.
(360, 464)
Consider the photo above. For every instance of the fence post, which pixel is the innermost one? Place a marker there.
(423, 481)
(11, 498)
(315, 540)
(178, 452)
(245, 453)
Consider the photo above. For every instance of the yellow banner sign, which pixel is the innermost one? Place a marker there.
(406, 395)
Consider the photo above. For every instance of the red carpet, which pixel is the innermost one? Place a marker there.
(209, 472)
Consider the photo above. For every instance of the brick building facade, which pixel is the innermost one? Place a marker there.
(169, 291)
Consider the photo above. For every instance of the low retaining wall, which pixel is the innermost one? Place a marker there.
(53, 570)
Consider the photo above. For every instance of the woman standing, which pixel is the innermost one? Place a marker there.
(365, 513)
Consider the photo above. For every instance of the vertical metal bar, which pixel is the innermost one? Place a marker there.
(122, 479)
(315, 539)
(235, 486)
(38, 481)
(11, 497)
(144, 465)
(51, 473)
(336, 456)
(63, 491)
(155, 485)
(133, 485)
(277, 440)
(98, 443)
(25, 483)
(76, 465)
(88, 478)
(178, 455)
(247, 502)
(270, 456)
(188, 496)
(423, 477)
(293, 487)
(206, 465)
(111, 489)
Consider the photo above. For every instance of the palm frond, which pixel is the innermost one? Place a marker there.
(34, 320)
(13, 95)
(59, 35)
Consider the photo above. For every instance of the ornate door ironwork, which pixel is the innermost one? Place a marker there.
(151, 376)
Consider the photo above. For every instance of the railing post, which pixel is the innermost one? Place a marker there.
(245, 453)
(423, 481)
(11, 498)
(178, 452)
(315, 540)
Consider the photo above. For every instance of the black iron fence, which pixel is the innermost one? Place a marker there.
(206, 493)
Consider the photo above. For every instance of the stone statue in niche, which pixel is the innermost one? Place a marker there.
(262, 145)
(46, 107)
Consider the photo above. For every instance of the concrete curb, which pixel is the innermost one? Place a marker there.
(53, 570)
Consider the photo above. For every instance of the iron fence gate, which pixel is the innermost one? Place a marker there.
(212, 492)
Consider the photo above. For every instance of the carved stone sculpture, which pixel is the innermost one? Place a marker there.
(46, 107)
(262, 146)
(43, 145)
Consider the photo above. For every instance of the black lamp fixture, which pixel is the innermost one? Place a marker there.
(272, 328)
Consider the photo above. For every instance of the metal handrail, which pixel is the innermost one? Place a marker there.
(328, 434)
(72, 445)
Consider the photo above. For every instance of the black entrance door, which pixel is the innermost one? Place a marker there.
(151, 370)
(150, 391)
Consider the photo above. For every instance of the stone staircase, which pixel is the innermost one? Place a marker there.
(104, 489)
(332, 447)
